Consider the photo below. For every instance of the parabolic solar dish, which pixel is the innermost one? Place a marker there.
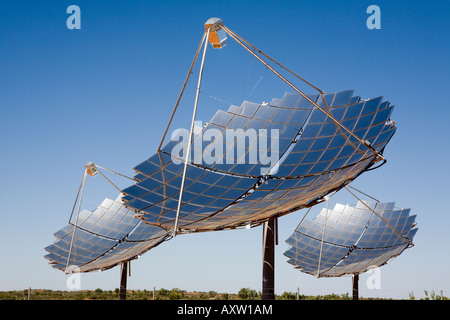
(314, 157)
(350, 239)
(103, 238)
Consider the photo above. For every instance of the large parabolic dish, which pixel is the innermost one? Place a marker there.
(316, 157)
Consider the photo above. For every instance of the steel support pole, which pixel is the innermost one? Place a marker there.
(83, 181)
(329, 115)
(123, 281)
(188, 151)
(182, 91)
(268, 275)
(355, 280)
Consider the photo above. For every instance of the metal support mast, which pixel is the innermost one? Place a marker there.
(212, 27)
(355, 280)
(239, 40)
(268, 273)
(123, 280)
(191, 131)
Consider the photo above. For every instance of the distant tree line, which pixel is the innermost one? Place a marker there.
(177, 294)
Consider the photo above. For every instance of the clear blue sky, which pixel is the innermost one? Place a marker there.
(105, 93)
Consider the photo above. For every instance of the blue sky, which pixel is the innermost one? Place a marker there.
(105, 93)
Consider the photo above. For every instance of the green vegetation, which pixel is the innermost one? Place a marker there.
(99, 294)
(433, 296)
(177, 294)
(249, 294)
(333, 296)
